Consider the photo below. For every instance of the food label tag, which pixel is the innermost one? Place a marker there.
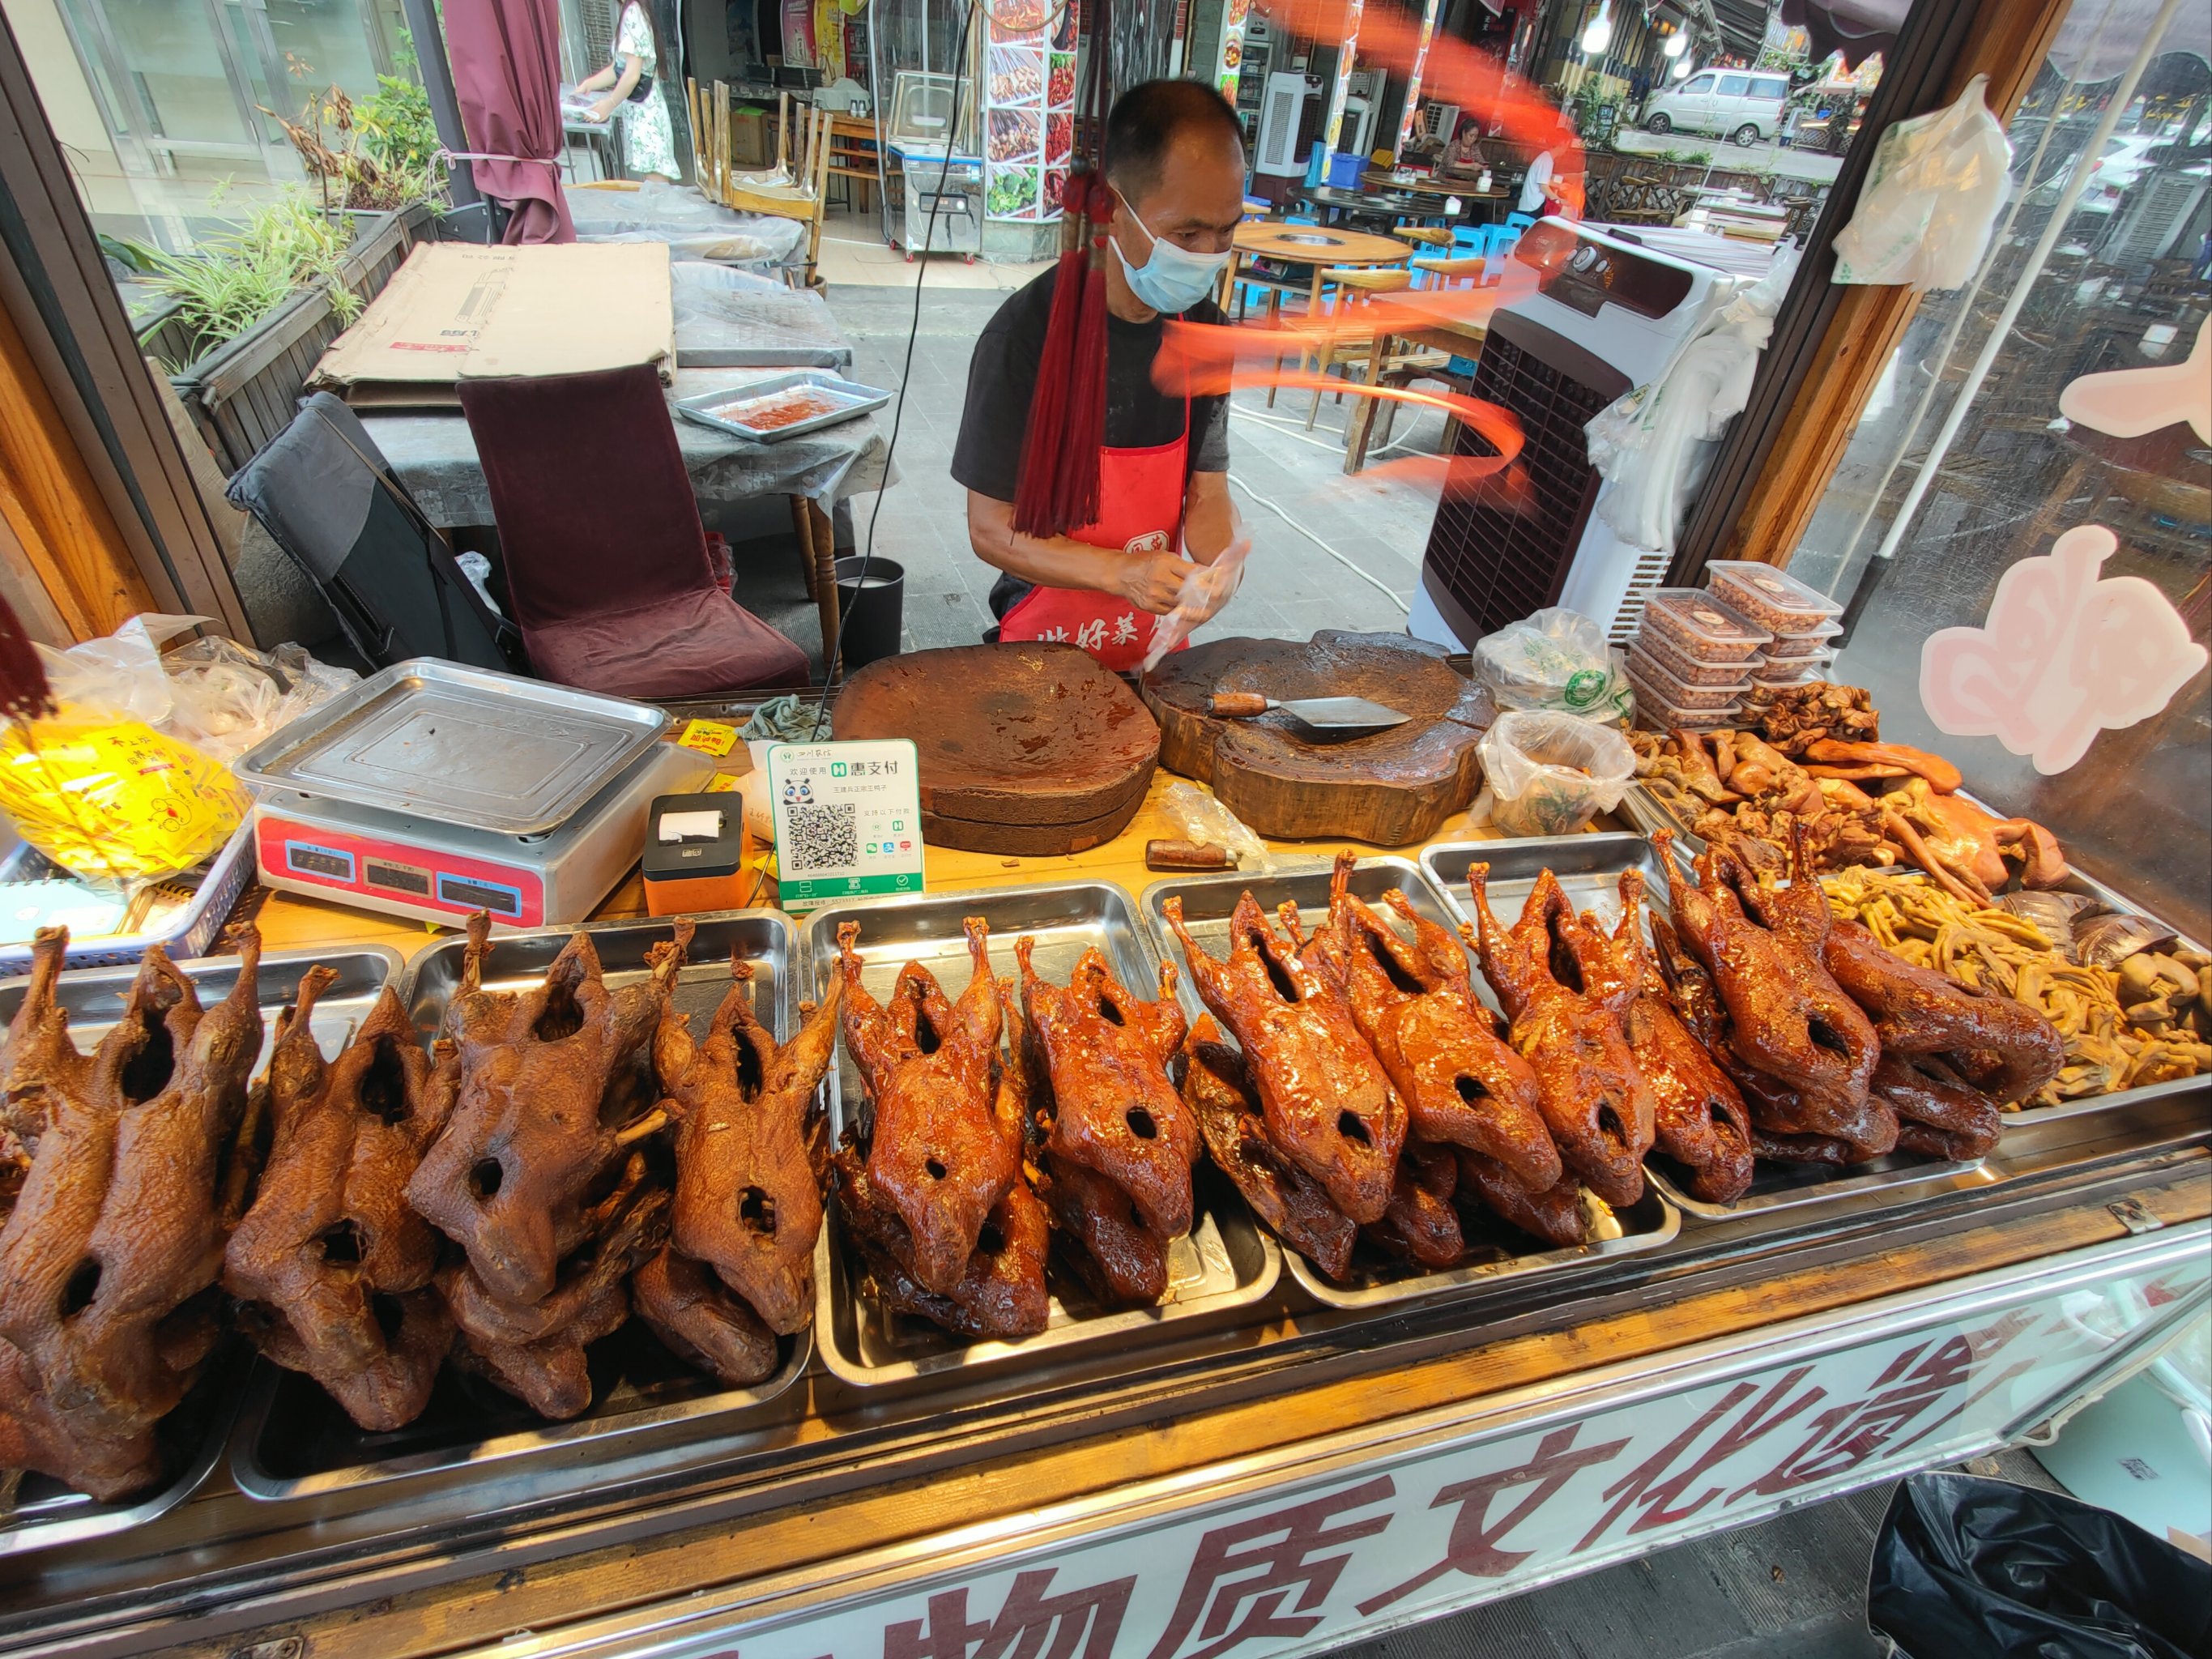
(709, 739)
(848, 820)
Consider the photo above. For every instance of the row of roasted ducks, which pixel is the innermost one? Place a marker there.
(564, 1156)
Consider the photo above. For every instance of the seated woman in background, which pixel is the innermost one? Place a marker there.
(648, 141)
(1464, 153)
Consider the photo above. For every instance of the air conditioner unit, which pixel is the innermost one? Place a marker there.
(2152, 220)
(1280, 112)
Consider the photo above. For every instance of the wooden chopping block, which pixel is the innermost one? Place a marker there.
(1030, 750)
(1386, 788)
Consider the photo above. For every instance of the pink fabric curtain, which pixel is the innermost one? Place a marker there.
(506, 78)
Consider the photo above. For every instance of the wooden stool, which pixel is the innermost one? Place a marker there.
(1353, 345)
(1464, 271)
(1424, 235)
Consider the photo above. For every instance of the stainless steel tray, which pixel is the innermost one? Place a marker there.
(1504, 1253)
(41, 1513)
(433, 739)
(1589, 867)
(722, 409)
(1208, 904)
(1645, 810)
(292, 1439)
(1226, 1263)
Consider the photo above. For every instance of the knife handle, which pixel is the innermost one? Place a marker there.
(1188, 855)
(1237, 705)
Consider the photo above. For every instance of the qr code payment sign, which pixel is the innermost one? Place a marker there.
(825, 838)
(848, 819)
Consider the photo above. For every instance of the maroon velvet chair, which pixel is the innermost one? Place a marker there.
(606, 560)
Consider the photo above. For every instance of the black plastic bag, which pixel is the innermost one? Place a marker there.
(1965, 1566)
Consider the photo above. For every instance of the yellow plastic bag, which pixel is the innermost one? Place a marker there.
(113, 799)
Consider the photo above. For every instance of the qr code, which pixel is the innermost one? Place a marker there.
(826, 837)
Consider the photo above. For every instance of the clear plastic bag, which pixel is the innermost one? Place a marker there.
(1556, 661)
(1925, 214)
(1200, 818)
(1549, 775)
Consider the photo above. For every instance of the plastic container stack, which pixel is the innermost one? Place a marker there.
(1700, 654)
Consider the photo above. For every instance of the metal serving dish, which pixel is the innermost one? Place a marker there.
(1643, 808)
(1208, 904)
(433, 739)
(723, 410)
(292, 1439)
(1226, 1263)
(1589, 867)
(41, 1513)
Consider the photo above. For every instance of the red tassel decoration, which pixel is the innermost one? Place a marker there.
(24, 693)
(1077, 498)
(1034, 514)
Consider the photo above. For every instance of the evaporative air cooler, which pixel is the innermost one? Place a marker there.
(1608, 312)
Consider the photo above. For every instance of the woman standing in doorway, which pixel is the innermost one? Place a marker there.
(649, 142)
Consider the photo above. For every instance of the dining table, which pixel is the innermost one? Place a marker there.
(1320, 247)
(1480, 206)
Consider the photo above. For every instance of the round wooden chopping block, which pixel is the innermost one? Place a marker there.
(1034, 840)
(1386, 788)
(1009, 735)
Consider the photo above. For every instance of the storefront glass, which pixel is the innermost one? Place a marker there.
(1964, 465)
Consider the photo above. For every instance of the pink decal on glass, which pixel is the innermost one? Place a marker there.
(2063, 655)
(2126, 402)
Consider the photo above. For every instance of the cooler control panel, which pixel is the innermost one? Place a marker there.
(421, 881)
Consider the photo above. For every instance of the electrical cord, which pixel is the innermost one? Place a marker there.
(833, 648)
(1375, 582)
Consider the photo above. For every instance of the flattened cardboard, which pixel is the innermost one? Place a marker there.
(455, 311)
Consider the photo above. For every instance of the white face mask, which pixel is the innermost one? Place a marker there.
(1173, 279)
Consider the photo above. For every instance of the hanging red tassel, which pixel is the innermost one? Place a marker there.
(1057, 489)
(1042, 443)
(24, 693)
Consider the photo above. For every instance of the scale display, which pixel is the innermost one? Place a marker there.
(343, 861)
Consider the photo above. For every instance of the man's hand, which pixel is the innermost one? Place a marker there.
(1151, 581)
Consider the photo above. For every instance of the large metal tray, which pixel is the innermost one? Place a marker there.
(1645, 809)
(292, 1439)
(721, 410)
(1208, 904)
(1226, 1262)
(1589, 867)
(433, 739)
(41, 1513)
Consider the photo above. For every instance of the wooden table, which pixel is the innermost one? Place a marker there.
(1319, 246)
(1355, 206)
(1433, 316)
(1442, 187)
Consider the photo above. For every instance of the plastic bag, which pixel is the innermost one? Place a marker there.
(1557, 660)
(225, 698)
(1202, 818)
(1924, 215)
(1549, 775)
(1654, 446)
(114, 800)
(1965, 1566)
(1205, 591)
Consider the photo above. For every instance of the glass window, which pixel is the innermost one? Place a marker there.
(1734, 86)
(1769, 85)
(1699, 84)
(2099, 263)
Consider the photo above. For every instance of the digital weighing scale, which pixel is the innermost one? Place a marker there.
(433, 790)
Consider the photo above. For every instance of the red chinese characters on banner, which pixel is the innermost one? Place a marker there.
(1224, 1607)
(1474, 1548)
(1032, 1625)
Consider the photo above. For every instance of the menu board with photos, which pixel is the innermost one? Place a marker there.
(1029, 107)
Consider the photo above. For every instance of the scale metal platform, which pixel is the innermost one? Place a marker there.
(433, 790)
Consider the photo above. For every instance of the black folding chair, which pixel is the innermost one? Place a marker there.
(330, 500)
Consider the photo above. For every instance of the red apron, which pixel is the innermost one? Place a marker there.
(1140, 496)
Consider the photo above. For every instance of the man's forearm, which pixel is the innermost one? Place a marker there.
(1047, 561)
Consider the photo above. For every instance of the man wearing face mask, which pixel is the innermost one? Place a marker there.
(1175, 156)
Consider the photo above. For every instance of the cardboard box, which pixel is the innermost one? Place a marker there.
(455, 311)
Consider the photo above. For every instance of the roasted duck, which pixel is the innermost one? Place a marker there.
(751, 1152)
(1597, 1102)
(1329, 1106)
(1462, 1085)
(1421, 1224)
(1218, 1090)
(934, 1155)
(1556, 1215)
(1000, 1290)
(108, 1263)
(1939, 1113)
(528, 1140)
(2003, 1046)
(1788, 1017)
(331, 1265)
(40, 1058)
(1699, 1118)
(1114, 1112)
(537, 1351)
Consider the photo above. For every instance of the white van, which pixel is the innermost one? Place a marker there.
(1745, 106)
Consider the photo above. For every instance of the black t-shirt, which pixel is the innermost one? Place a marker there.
(1002, 378)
